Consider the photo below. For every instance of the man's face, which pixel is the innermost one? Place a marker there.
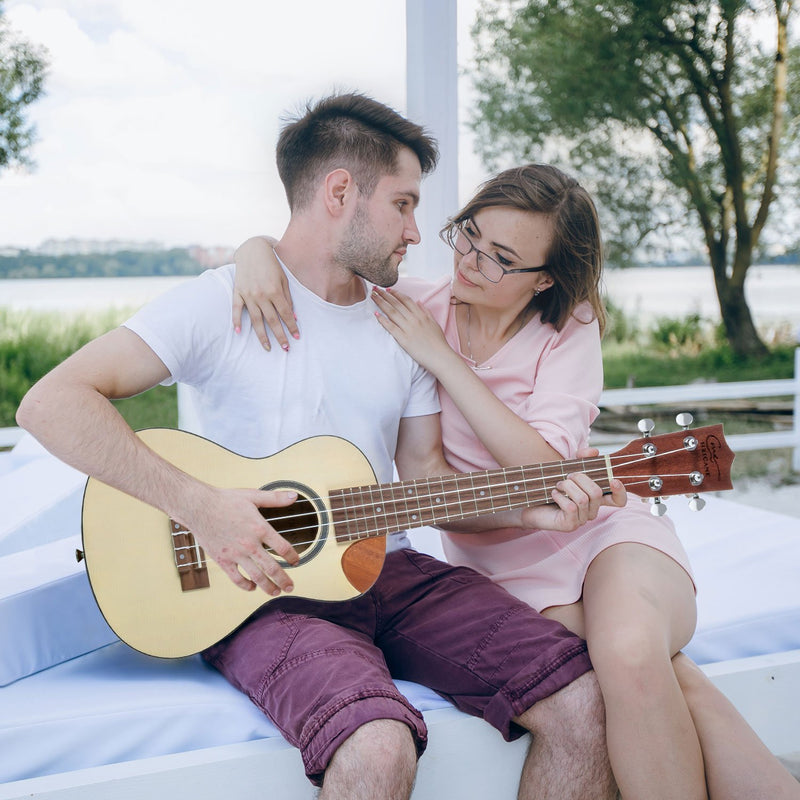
(383, 225)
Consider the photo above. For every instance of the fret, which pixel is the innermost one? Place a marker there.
(480, 500)
(415, 511)
(427, 511)
(347, 506)
(517, 492)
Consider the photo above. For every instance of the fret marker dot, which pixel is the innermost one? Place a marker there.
(482, 493)
(409, 492)
(413, 516)
(438, 499)
(378, 509)
(516, 487)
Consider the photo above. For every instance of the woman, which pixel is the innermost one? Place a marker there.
(514, 341)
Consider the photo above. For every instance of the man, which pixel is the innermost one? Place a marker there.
(352, 170)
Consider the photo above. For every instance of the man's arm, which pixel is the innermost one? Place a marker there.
(576, 500)
(70, 412)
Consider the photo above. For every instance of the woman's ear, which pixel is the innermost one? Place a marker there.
(545, 282)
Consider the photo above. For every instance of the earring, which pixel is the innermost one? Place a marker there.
(536, 292)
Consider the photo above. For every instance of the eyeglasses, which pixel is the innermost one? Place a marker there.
(488, 266)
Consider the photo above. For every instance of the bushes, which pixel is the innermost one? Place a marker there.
(31, 344)
(673, 351)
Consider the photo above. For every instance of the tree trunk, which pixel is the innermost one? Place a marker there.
(739, 326)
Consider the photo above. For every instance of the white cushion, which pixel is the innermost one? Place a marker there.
(47, 610)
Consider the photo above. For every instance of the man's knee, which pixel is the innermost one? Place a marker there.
(574, 714)
(380, 757)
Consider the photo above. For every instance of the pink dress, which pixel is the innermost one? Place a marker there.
(551, 379)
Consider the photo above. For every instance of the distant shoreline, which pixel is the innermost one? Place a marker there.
(643, 293)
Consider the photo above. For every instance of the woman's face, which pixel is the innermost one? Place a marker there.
(515, 239)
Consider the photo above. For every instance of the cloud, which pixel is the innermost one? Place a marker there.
(161, 115)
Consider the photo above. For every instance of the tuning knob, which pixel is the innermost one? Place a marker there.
(658, 508)
(697, 503)
(684, 419)
(645, 427)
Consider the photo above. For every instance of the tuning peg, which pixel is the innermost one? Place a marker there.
(658, 508)
(645, 427)
(697, 503)
(684, 419)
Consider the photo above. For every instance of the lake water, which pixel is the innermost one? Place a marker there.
(773, 293)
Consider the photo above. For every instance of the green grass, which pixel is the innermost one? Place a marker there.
(31, 344)
(628, 364)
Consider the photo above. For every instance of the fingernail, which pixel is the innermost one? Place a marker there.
(296, 335)
(237, 329)
(285, 347)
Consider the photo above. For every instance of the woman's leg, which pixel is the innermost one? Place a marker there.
(638, 610)
(739, 766)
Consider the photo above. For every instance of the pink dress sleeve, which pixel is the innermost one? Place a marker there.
(566, 386)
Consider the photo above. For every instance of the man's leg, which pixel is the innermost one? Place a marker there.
(352, 771)
(494, 656)
(568, 759)
(327, 687)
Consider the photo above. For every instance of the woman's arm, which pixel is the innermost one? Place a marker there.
(260, 286)
(574, 500)
(510, 439)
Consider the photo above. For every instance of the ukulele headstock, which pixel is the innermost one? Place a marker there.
(682, 462)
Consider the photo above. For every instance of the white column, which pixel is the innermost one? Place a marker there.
(432, 101)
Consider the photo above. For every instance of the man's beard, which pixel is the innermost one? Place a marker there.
(364, 254)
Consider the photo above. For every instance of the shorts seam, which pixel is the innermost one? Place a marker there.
(286, 665)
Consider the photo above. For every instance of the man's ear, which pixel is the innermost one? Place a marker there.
(339, 186)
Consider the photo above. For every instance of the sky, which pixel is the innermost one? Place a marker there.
(161, 116)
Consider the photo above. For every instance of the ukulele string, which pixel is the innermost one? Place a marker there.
(428, 495)
(533, 496)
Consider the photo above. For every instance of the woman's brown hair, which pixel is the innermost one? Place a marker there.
(575, 257)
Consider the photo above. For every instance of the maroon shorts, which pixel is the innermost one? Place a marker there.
(321, 670)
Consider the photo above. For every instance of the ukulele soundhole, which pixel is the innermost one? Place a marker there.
(304, 524)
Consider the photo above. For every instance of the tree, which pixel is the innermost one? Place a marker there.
(22, 72)
(668, 109)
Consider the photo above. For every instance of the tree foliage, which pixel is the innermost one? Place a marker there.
(22, 73)
(122, 264)
(671, 110)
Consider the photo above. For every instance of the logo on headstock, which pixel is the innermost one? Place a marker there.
(709, 451)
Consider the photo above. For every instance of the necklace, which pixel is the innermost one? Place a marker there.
(520, 325)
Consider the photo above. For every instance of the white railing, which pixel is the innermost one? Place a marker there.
(741, 390)
(10, 436)
(665, 395)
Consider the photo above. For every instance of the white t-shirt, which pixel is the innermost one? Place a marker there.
(345, 376)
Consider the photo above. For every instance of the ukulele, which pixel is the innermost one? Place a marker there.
(160, 594)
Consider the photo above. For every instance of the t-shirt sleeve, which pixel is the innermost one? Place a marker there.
(182, 326)
(567, 387)
(423, 398)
